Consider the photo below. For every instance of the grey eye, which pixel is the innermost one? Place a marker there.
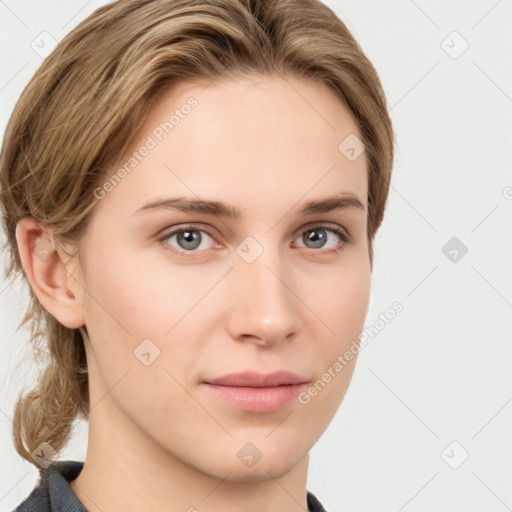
(317, 236)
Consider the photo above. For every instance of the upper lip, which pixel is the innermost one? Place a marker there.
(258, 380)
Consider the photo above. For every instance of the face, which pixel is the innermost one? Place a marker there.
(180, 295)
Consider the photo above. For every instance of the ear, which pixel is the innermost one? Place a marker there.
(50, 272)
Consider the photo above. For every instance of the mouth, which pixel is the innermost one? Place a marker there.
(257, 392)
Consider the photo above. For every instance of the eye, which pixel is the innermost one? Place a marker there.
(188, 239)
(317, 237)
(191, 239)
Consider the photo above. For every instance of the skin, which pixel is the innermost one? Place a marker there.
(158, 440)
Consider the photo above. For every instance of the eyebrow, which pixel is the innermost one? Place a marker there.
(343, 201)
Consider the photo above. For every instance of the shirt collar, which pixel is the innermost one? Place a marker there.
(55, 482)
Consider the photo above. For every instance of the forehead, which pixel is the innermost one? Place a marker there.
(247, 141)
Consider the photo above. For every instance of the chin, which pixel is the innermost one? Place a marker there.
(261, 472)
(272, 464)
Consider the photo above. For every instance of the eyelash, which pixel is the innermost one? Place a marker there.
(345, 237)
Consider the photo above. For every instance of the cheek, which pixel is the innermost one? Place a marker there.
(340, 300)
(129, 291)
(135, 297)
(353, 304)
(122, 306)
(130, 312)
(341, 304)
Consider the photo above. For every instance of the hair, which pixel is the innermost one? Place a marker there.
(84, 105)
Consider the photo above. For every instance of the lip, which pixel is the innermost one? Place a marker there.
(258, 380)
(257, 392)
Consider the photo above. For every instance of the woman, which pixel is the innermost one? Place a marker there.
(192, 189)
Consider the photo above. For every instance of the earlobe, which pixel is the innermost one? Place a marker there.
(50, 272)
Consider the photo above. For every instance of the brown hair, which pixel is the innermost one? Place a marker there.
(86, 102)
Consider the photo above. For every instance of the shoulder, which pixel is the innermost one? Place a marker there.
(314, 504)
(36, 502)
(52, 492)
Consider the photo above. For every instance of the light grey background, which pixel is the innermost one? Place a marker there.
(440, 372)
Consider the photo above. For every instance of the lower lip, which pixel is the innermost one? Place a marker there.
(257, 399)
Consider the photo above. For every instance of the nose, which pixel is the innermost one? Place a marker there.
(264, 308)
